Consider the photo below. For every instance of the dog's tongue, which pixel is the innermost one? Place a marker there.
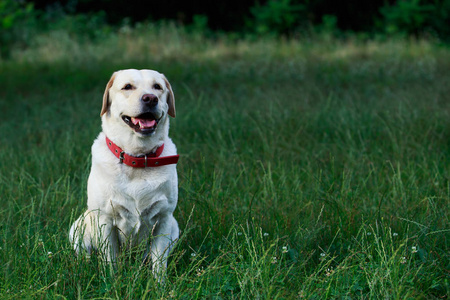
(143, 123)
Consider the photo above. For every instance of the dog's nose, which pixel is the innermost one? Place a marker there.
(150, 99)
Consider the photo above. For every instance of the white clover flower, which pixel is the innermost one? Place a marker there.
(266, 234)
(49, 254)
(403, 260)
(414, 249)
(274, 260)
(200, 271)
(284, 249)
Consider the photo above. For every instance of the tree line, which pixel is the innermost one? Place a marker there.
(275, 16)
(19, 19)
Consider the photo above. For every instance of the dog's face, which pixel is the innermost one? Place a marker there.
(139, 100)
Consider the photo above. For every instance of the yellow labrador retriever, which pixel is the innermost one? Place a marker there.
(132, 187)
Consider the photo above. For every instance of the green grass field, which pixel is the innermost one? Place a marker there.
(309, 169)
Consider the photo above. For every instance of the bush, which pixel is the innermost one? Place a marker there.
(16, 20)
(416, 17)
(276, 16)
(79, 26)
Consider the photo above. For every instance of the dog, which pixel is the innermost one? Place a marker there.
(132, 185)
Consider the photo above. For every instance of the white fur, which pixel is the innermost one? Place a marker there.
(126, 204)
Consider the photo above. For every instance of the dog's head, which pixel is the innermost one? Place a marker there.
(138, 100)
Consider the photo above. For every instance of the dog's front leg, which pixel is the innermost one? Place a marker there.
(165, 233)
(109, 239)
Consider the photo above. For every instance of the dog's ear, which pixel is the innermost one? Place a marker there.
(106, 102)
(170, 99)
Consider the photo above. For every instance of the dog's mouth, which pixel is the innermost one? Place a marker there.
(145, 123)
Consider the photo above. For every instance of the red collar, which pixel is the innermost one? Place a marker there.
(148, 160)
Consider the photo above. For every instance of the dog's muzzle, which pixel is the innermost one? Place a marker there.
(145, 123)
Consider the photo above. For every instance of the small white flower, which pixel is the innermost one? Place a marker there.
(369, 233)
(414, 249)
(49, 254)
(403, 260)
(284, 249)
(239, 233)
(266, 234)
(193, 254)
(274, 259)
(395, 234)
(322, 254)
(200, 271)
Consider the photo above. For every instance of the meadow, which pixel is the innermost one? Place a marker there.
(310, 168)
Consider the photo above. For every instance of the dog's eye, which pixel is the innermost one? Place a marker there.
(127, 87)
(157, 86)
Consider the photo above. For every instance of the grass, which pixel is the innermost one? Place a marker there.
(312, 168)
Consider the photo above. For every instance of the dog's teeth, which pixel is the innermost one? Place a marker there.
(134, 121)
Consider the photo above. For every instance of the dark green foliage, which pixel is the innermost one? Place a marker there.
(417, 17)
(91, 20)
(16, 24)
(277, 16)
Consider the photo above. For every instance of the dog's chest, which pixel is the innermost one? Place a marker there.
(140, 190)
(138, 201)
